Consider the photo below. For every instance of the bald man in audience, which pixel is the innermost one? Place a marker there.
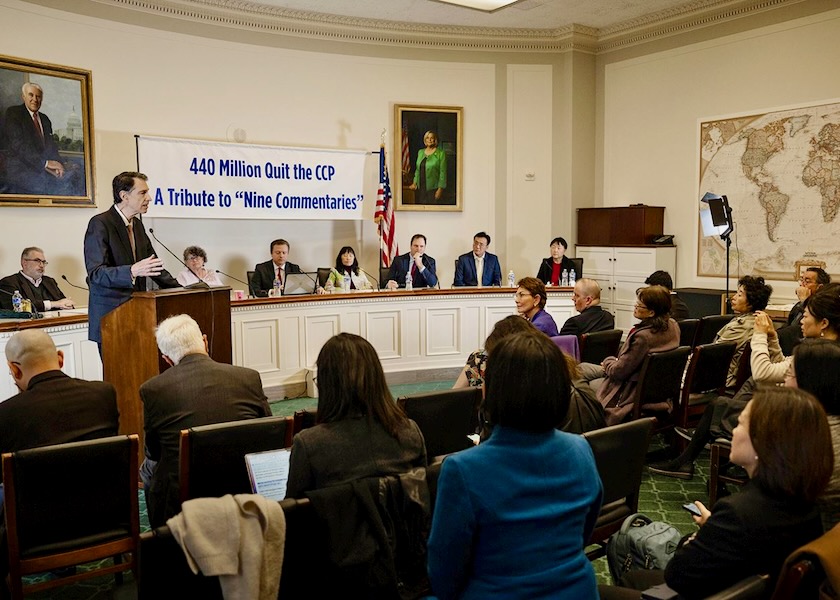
(196, 391)
(587, 299)
(51, 408)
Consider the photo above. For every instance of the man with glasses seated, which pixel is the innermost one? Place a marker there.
(811, 280)
(33, 285)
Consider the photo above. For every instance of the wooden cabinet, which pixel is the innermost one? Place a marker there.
(619, 226)
(621, 270)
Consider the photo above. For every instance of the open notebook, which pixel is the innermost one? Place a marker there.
(269, 472)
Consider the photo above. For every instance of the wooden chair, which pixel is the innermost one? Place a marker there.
(660, 383)
(212, 459)
(323, 275)
(719, 458)
(71, 504)
(620, 456)
(445, 418)
(688, 331)
(596, 346)
(705, 379)
(709, 327)
(304, 419)
(809, 567)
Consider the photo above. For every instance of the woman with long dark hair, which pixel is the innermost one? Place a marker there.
(346, 267)
(361, 431)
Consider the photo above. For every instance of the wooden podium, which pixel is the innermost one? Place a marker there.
(130, 354)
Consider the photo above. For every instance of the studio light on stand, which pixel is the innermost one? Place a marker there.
(716, 219)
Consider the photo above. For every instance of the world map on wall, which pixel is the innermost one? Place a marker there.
(781, 174)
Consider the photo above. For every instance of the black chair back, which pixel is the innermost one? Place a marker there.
(578, 267)
(620, 457)
(323, 275)
(708, 367)
(596, 346)
(212, 461)
(98, 518)
(709, 327)
(250, 278)
(304, 419)
(688, 331)
(660, 382)
(384, 276)
(744, 371)
(445, 418)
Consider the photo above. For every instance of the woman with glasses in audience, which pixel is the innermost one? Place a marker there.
(196, 257)
(361, 431)
(783, 442)
(513, 514)
(530, 301)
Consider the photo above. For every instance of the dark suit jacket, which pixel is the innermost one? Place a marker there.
(108, 262)
(749, 533)
(56, 409)
(48, 290)
(27, 154)
(197, 391)
(592, 319)
(465, 270)
(402, 264)
(264, 276)
(544, 273)
(679, 309)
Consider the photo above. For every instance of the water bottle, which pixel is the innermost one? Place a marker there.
(346, 281)
(17, 302)
(564, 278)
(277, 287)
(511, 279)
(572, 278)
(408, 283)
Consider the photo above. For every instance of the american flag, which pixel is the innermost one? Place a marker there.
(406, 157)
(384, 214)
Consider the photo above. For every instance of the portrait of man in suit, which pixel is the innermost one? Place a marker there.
(478, 267)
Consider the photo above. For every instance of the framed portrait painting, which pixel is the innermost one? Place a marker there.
(46, 141)
(428, 146)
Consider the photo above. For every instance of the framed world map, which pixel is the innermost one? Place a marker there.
(781, 173)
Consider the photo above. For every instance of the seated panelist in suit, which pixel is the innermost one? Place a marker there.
(551, 268)
(592, 318)
(469, 265)
(119, 256)
(196, 391)
(31, 282)
(276, 268)
(417, 262)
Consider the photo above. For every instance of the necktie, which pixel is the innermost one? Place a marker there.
(479, 269)
(131, 239)
(280, 275)
(413, 272)
(37, 122)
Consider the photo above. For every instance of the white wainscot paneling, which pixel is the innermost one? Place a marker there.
(442, 331)
(319, 328)
(383, 332)
(259, 345)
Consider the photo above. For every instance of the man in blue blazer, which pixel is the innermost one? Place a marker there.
(417, 262)
(468, 265)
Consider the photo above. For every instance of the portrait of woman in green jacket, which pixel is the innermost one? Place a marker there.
(430, 174)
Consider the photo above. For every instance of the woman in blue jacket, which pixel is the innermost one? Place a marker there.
(513, 515)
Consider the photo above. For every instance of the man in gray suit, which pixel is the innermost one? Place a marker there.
(195, 391)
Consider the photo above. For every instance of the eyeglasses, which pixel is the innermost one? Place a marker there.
(640, 306)
(40, 261)
(194, 258)
(523, 294)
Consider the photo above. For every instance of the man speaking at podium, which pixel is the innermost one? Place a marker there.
(118, 254)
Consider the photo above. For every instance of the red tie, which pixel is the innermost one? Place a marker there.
(280, 275)
(413, 271)
(37, 123)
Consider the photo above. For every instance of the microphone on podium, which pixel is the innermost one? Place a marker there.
(34, 314)
(78, 287)
(371, 277)
(199, 285)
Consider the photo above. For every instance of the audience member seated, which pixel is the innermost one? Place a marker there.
(530, 301)
(195, 391)
(817, 370)
(616, 377)
(277, 268)
(585, 412)
(361, 431)
(346, 265)
(513, 514)
(478, 267)
(51, 407)
(820, 319)
(420, 265)
(197, 271)
(551, 268)
(32, 284)
(592, 318)
(811, 281)
(783, 442)
(679, 310)
(752, 295)
(472, 374)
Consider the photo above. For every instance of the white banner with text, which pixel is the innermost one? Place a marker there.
(214, 180)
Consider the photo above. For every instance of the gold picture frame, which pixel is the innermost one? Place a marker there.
(46, 160)
(440, 190)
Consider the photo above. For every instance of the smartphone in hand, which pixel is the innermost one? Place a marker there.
(692, 508)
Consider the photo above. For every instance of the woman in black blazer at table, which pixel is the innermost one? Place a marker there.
(551, 268)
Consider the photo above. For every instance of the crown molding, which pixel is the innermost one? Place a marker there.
(251, 16)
